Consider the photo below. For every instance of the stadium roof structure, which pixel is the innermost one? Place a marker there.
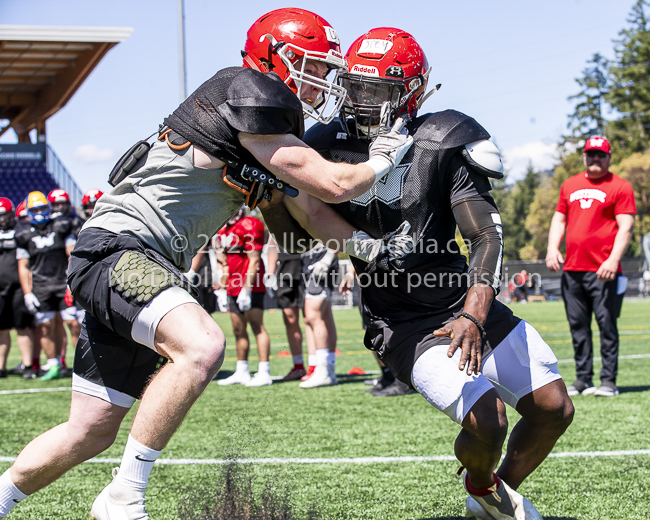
(41, 67)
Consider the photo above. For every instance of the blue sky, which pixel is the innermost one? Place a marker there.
(509, 64)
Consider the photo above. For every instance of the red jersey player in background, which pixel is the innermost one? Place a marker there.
(596, 209)
(239, 247)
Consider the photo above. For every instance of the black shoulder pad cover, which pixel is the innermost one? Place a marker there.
(262, 104)
(451, 129)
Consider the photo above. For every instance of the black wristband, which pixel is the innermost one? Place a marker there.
(475, 322)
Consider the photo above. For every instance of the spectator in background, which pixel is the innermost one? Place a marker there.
(13, 313)
(596, 210)
(284, 279)
(319, 266)
(241, 243)
(89, 200)
(522, 284)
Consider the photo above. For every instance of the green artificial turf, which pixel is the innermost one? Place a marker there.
(285, 421)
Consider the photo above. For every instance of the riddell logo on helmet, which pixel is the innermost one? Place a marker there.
(365, 69)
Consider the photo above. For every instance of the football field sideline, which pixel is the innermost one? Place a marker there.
(354, 460)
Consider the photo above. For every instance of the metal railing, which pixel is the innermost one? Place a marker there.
(62, 177)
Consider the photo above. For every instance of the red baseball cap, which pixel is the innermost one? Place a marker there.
(597, 143)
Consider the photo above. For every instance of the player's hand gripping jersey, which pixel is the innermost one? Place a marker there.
(244, 236)
(45, 247)
(174, 207)
(428, 189)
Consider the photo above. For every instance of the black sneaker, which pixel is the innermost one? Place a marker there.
(395, 388)
(579, 387)
(3, 373)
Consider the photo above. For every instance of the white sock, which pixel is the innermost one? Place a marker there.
(321, 357)
(311, 360)
(298, 360)
(264, 367)
(10, 495)
(331, 358)
(137, 463)
(242, 366)
(52, 363)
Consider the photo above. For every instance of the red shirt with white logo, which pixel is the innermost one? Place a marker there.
(591, 207)
(238, 239)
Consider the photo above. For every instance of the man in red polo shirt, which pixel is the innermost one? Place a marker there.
(596, 209)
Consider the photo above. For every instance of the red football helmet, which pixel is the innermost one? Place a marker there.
(385, 64)
(21, 211)
(7, 212)
(287, 38)
(60, 201)
(88, 201)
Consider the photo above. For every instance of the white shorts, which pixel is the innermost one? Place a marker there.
(520, 364)
(44, 317)
(324, 294)
(147, 320)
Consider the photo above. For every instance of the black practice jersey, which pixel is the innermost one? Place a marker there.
(422, 189)
(8, 262)
(76, 222)
(237, 99)
(45, 247)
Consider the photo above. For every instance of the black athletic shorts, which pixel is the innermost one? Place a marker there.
(13, 313)
(290, 291)
(51, 297)
(257, 302)
(106, 354)
(401, 345)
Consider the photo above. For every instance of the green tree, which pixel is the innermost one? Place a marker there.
(636, 170)
(514, 210)
(588, 119)
(629, 92)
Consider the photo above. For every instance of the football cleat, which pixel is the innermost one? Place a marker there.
(117, 502)
(310, 371)
(260, 379)
(54, 372)
(322, 376)
(238, 378)
(503, 503)
(394, 389)
(294, 375)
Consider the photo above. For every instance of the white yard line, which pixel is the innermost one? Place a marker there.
(358, 460)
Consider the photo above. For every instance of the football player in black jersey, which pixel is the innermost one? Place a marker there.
(71, 316)
(43, 250)
(431, 317)
(13, 313)
(168, 199)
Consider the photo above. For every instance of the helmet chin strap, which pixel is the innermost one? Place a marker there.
(426, 96)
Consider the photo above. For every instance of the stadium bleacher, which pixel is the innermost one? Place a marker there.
(18, 178)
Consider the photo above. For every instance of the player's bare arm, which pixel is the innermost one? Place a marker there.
(296, 163)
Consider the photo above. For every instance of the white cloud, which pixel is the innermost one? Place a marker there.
(91, 153)
(543, 156)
